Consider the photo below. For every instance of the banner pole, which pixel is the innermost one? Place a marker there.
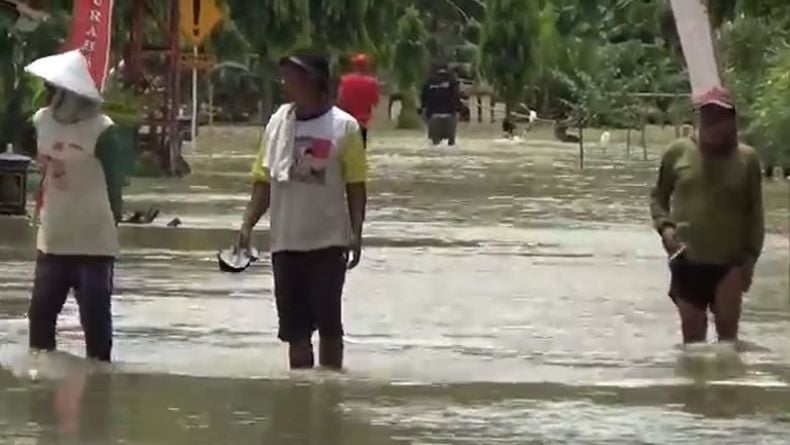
(194, 98)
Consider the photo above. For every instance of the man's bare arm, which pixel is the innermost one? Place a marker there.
(357, 196)
(258, 205)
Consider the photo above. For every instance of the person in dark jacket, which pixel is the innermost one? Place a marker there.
(441, 100)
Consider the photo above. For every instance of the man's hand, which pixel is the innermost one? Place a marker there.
(354, 253)
(357, 199)
(244, 240)
(670, 240)
(258, 205)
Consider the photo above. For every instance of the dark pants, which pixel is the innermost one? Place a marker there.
(364, 132)
(442, 126)
(696, 283)
(308, 287)
(91, 278)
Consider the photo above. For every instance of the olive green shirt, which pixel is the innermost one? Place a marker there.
(115, 165)
(715, 204)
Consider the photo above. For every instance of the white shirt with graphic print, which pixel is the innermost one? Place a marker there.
(310, 210)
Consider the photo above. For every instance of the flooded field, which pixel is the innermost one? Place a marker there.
(505, 296)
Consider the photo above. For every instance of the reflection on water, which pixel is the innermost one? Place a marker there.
(505, 297)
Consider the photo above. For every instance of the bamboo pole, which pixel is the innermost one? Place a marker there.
(210, 103)
(513, 113)
(210, 113)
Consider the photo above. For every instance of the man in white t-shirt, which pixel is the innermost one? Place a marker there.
(310, 175)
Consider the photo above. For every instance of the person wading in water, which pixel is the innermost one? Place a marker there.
(441, 100)
(707, 207)
(79, 204)
(359, 93)
(310, 172)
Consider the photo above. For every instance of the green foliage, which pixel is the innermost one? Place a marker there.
(274, 27)
(381, 19)
(612, 47)
(18, 92)
(754, 52)
(338, 24)
(578, 59)
(473, 32)
(770, 129)
(509, 45)
(22, 95)
(410, 64)
(236, 90)
(229, 42)
(410, 56)
(744, 66)
(122, 106)
(602, 95)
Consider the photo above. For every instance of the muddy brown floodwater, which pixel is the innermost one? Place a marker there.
(505, 297)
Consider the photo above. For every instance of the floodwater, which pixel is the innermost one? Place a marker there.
(505, 298)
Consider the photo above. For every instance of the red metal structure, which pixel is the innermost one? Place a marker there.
(151, 67)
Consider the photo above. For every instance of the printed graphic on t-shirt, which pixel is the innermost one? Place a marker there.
(311, 158)
(55, 173)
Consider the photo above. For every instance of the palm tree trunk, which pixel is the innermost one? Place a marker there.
(581, 146)
(628, 142)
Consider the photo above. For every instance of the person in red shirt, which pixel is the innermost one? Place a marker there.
(359, 93)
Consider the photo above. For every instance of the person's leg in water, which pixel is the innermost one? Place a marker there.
(452, 128)
(692, 296)
(328, 269)
(51, 287)
(693, 322)
(727, 305)
(300, 354)
(292, 295)
(94, 296)
(434, 130)
(508, 128)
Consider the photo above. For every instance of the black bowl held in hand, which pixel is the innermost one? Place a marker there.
(234, 260)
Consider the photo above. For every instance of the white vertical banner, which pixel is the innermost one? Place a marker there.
(693, 25)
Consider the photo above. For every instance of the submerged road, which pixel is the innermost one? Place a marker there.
(504, 297)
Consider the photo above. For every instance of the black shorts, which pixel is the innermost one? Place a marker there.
(308, 288)
(696, 283)
(442, 126)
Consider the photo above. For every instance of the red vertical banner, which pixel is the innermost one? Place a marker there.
(91, 32)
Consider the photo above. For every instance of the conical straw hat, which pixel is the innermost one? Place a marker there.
(69, 71)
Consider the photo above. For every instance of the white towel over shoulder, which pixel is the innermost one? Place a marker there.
(279, 138)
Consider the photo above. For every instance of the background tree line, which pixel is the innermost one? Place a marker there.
(613, 63)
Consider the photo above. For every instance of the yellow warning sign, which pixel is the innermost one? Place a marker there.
(198, 19)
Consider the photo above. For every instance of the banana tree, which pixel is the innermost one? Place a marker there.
(509, 48)
(18, 47)
(410, 64)
(771, 127)
(272, 29)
